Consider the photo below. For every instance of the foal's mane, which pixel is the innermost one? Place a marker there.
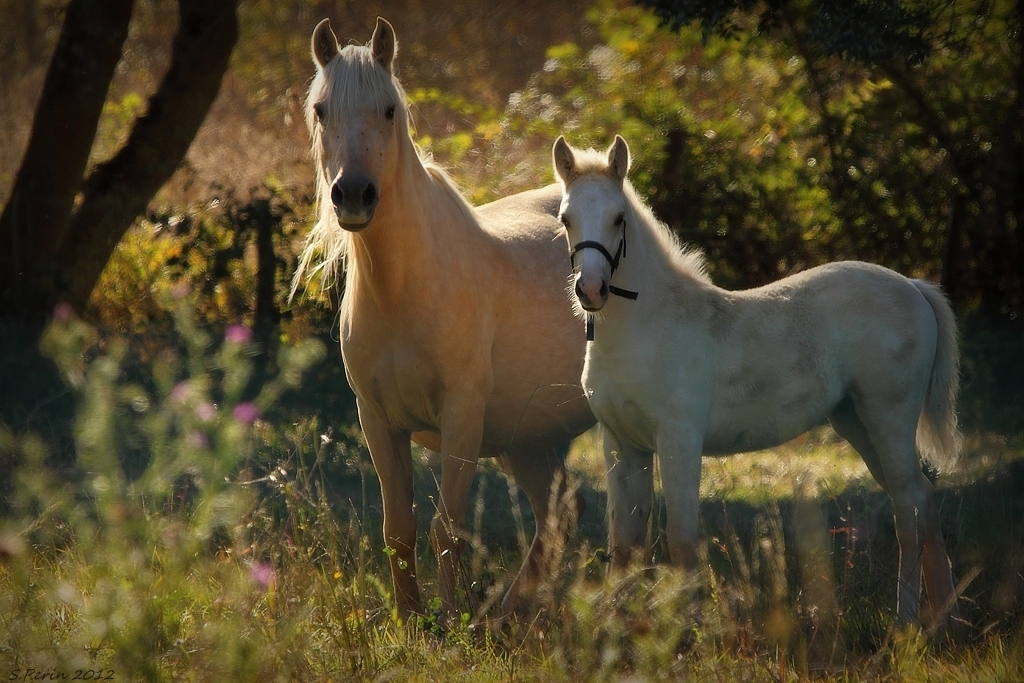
(354, 76)
(685, 260)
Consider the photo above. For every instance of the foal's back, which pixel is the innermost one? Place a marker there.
(787, 353)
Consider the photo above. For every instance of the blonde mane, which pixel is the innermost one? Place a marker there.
(354, 76)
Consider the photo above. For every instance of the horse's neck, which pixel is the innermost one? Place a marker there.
(404, 247)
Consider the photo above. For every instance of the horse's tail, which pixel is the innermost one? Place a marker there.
(938, 438)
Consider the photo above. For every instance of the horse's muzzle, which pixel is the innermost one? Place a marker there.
(592, 295)
(354, 198)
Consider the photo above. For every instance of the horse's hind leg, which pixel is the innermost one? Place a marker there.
(555, 509)
(847, 424)
(938, 577)
(461, 436)
(893, 433)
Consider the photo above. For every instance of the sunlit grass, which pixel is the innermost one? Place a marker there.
(812, 465)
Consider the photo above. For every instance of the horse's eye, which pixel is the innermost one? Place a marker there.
(318, 111)
(390, 113)
(620, 220)
(565, 220)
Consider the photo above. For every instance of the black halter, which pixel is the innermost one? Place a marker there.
(614, 261)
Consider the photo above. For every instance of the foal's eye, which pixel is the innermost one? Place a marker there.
(565, 220)
(620, 220)
(389, 113)
(318, 111)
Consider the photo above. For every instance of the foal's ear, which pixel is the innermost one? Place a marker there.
(383, 44)
(618, 158)
(563, 160)
(324, 44)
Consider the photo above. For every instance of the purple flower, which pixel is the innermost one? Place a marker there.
(197, 440)
(263, 574)
(179, 393)
(180, 290)
(62, 312)
(206, 411)
(238, 334)
(245, 413)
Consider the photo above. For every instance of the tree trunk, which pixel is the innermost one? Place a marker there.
(118, 190)
(36, 216)
(49, 250)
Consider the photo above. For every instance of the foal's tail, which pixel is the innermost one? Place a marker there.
(938, 438)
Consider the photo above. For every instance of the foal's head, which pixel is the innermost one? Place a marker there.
(356, 115)
(593, 211)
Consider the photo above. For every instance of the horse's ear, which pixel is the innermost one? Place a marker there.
(383, 44)
(324, 44)
(563, 160)
(618, 158)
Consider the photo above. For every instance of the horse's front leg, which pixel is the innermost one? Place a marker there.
(630, 498)
(679, 455)
(390, 452)
(461, 437)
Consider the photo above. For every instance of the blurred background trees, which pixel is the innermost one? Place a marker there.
(774, 135)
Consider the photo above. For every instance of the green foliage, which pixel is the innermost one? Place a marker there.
(869, 31)
(232, 261)
(722, 137)
(117, 569)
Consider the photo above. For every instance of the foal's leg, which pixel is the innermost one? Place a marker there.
(893, 431)
(938, 576)
(461, 436)
(630, 497)
(390, 452)
(679, 455)
(847, 424)
(543, 479)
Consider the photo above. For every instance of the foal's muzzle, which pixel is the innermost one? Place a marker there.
(592, 295)
(354, 198)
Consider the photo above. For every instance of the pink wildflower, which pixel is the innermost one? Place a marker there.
(62, 312)
(197, 440)
(263, 574)
(245, 413)
(206, 411)
(238, 334)
(179, 393)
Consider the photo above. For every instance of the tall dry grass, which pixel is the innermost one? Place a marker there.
(246, 550)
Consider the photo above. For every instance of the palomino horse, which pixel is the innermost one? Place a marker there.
(455, 328)
(680, 367)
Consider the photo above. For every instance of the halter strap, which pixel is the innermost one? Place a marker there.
(614, 261)
(591, 244)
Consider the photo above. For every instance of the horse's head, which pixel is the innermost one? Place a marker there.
(356, 114)
(593, 213)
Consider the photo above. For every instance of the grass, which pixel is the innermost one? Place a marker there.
(253, 553)
(812, 465)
